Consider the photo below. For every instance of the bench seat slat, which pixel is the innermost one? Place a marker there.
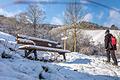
(36, 39)
(25, 41)
(41, 48)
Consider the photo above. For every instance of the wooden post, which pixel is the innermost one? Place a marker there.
(75, 37)
(65, 44)
(65, 39)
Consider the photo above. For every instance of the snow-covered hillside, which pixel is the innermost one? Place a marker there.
(77, 67)
(98, 35)
(7, 43)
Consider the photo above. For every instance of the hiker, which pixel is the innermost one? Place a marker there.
(109, 47)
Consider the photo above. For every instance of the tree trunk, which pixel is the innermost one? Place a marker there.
(75, 38)
(34, 25)
(65, 39)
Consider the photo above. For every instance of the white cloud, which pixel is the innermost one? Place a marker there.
(3, 12)
(8, 14)
(114, 18)
(114, 14)
(88, 17)
(56, 20)
(84, 1)
(33, 0)
(100, 15)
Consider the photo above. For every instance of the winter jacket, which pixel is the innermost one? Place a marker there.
(108, 45)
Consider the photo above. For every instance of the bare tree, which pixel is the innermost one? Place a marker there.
(73, 14)
(35, 15)
(22, 17)
(22, 23)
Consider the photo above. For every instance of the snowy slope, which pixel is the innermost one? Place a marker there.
(7, 37)
(77, 66)
(90, 68)
(7, 42)
(98, 35)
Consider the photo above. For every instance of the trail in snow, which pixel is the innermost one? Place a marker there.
(94, 66)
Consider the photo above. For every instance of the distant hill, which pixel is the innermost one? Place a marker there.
(90, 25)
(12, 26)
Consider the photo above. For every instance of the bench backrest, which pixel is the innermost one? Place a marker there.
(23, 39)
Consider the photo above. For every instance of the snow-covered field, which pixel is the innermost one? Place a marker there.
(98, 35)
(77, 67)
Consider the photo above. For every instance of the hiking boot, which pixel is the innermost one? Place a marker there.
(115, 64)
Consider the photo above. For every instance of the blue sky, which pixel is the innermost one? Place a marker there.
(54, 13)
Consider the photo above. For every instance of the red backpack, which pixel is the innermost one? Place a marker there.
(113, 41)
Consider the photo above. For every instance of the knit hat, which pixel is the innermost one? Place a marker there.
(107, 31)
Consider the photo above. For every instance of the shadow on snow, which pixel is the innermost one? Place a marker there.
(81, 61)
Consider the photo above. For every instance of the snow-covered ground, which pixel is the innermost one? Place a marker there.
(77, 67)
(7, 37)
(7, 42)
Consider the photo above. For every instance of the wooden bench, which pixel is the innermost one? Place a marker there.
(32, 45)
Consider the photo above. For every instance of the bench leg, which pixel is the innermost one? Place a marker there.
(35, 54)
(64, 56)
(27, 53)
